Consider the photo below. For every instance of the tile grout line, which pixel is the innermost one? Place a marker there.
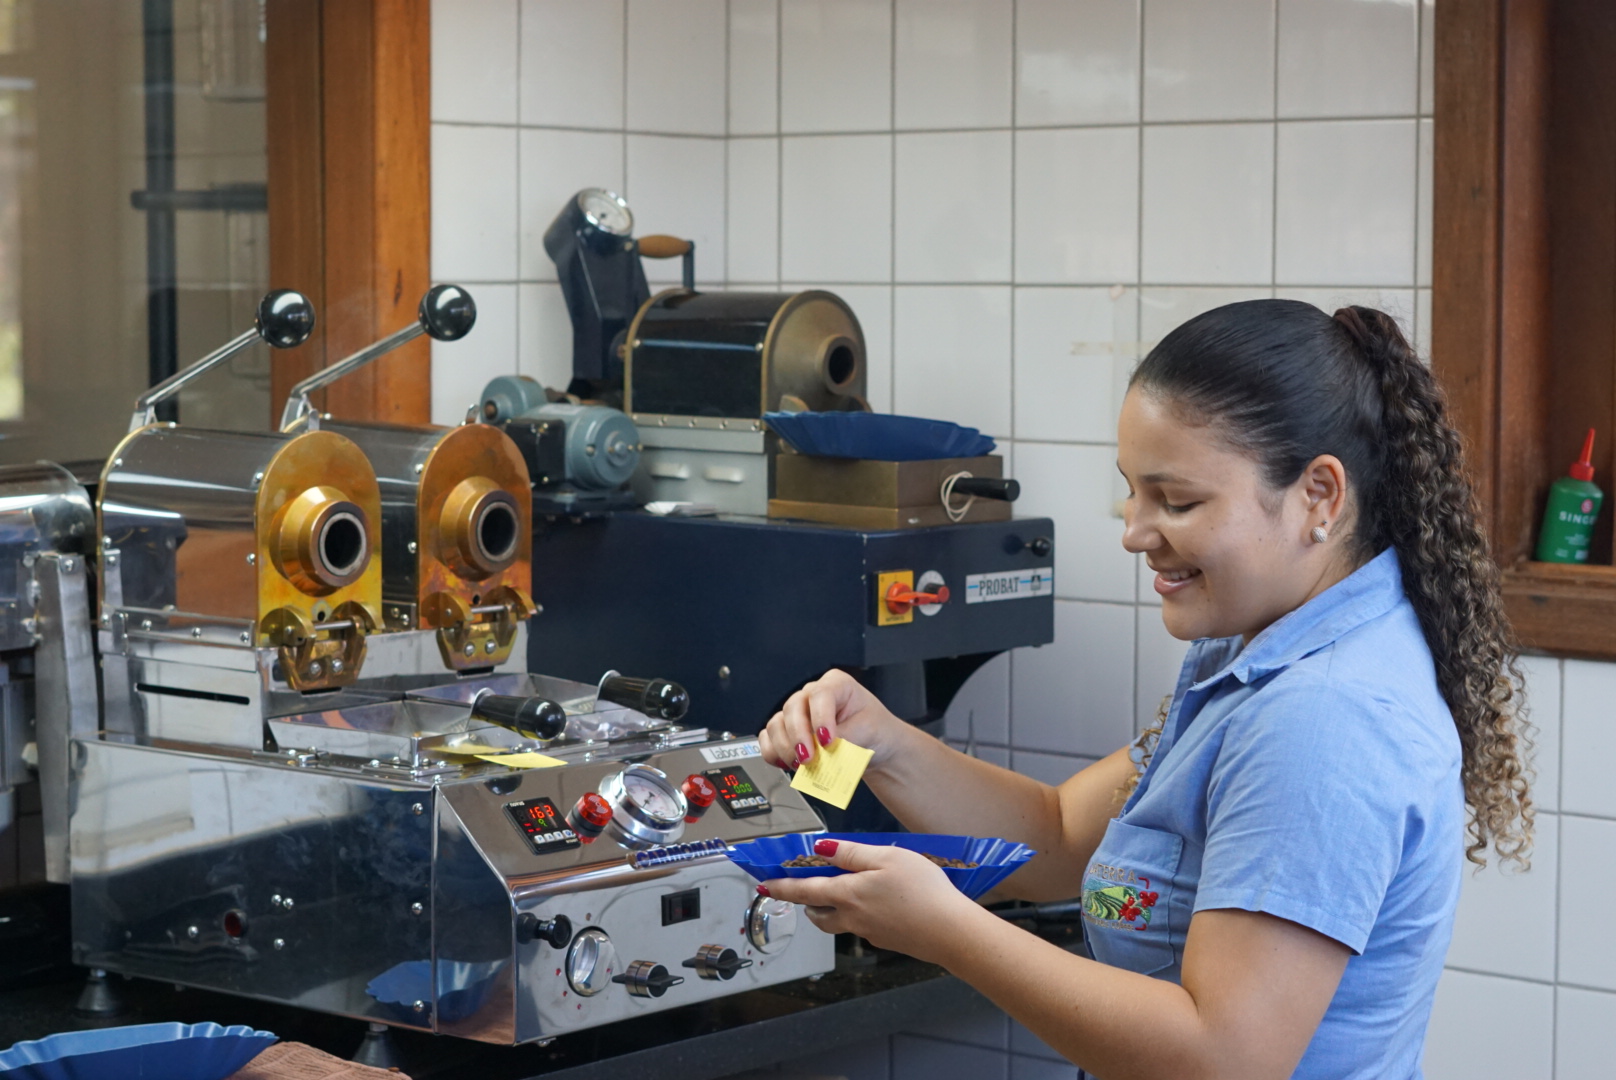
(836, 132)
(729, 21)
(1138, 309)
(1273, 164)
(892, 197)
(1559, 865)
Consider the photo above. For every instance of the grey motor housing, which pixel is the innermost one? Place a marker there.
(601, 445)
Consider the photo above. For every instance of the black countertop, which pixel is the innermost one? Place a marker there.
(864, 998)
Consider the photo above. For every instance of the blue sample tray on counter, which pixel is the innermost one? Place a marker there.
(141, 1052)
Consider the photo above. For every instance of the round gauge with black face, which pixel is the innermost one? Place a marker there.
(606, 211)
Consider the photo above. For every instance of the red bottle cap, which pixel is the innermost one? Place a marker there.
(1583, 467)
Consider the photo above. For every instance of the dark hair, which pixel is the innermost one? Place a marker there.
(1284, 382)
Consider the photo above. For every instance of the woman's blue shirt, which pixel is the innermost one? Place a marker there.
(1312, 775)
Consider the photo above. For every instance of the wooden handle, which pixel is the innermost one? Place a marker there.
(663, 247)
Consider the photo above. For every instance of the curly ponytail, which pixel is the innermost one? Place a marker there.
(1286, 383)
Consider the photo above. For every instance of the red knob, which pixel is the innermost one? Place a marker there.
(699, 795)
(590, 815)
(900, 597)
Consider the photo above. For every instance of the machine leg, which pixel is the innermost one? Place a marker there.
(378, 1049)
(99, 1000)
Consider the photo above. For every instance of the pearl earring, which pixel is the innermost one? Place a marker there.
(1319, 535)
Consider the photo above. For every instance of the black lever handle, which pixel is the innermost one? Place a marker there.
(656, 698)
(285, 318)
(724, 965)
(534, 717)
(448, 312)
(557, 932)
(988, 487)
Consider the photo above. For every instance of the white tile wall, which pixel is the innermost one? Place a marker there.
(1209, 61)
(1077, 205)
(1585, 1034)
(1017, 197)
(951, 218)
(1344, 203)
(836, 208)
(677, 80)
(754, 67)
(951, 63)
(676, 185)
(572, 55)
(1207, 201)
(1487, 1026)
(1077, 61)
(835, 65)
(1347, 58)
(943, 332)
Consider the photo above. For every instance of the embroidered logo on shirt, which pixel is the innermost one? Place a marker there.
(1116, 898)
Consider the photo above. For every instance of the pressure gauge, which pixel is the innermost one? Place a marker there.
(650, 808)
(606, 211)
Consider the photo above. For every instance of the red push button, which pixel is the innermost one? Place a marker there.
(699, 795)
(590, 816)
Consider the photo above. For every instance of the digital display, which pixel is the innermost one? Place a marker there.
(545, 829)
(740, 796)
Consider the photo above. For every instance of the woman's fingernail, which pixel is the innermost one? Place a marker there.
(826, 848)
(763, 890)
(802, 752)
(824, 736)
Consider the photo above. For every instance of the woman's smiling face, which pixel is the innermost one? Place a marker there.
(1231, 555)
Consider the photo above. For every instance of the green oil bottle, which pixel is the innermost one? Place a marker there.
(1568, 520)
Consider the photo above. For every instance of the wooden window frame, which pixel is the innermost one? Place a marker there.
(1524, 284)
(348, 110)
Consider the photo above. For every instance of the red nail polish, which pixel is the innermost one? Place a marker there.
(824, 736)
(802, 752)
(826, 848)
(763, 890)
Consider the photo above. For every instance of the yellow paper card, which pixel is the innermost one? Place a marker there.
(471, 749)
(522, 761)
(833, 773)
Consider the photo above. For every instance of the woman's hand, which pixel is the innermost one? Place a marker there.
(895, 899)
(831, 707)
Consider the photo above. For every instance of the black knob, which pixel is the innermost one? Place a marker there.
(645, 979)
(656, 698)
(448, 312)
(285, 318)
(534, 717)
(988, 487)
(723, 965)
(1041, 546)
(556, 932)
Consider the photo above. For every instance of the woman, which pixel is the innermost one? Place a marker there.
(1269, 876)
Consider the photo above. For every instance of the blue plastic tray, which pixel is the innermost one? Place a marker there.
(995, 859)
(877, 436)
(141, 1052)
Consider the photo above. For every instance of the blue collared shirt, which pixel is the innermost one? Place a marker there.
(1312, 775)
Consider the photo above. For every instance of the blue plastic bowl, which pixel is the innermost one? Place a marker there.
(140, 1052)
(877, 436)
(995, 859)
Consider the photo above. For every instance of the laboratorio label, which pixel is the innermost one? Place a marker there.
(733, 751)
(1009, 585)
